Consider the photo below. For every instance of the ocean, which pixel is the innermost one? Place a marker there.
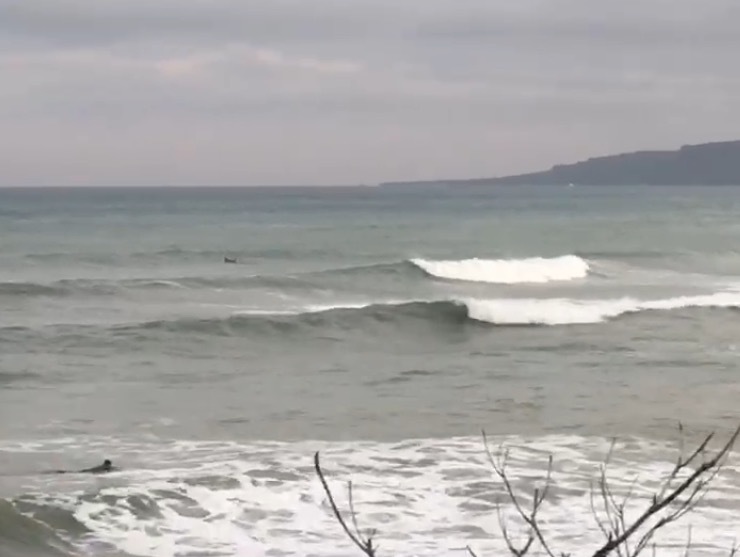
(386, 328)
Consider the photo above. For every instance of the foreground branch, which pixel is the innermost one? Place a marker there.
(667, 505)
(365, 543)
(627, 538)
(530, 516)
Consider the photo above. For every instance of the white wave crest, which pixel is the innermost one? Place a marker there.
(319, 308)
(507, 271)
(163, 282)
(564, 311)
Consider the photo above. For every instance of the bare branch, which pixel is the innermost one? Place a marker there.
(695, 485)
(530, 518)
(688, 544)
(365, 544)
(517, 552)
(679, 493)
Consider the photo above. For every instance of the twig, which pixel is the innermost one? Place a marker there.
(530, 518)
(695, 485)
(365, 544)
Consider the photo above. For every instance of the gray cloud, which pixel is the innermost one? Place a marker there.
(289, 91)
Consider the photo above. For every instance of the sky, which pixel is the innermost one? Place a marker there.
(290, 92)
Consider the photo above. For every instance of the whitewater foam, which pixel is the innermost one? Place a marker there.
(425, 497)
(564, 311)
(507, 271)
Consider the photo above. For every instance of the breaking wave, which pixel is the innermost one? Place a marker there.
(446, 312)
(336, 322)
(504, 271)
(563, 311)
(507, 271)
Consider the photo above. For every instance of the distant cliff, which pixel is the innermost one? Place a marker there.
(705, 164)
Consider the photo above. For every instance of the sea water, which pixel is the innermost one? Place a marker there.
(384, 328)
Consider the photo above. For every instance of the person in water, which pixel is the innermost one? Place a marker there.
(107, 466)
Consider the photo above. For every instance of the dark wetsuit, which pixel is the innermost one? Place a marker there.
(107, 466)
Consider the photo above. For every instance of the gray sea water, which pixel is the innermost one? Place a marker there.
(383, 327)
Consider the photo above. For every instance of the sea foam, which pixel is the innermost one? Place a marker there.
(564, 311)
(507, 271)
(425, 497)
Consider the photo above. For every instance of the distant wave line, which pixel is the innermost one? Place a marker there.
(501, 271)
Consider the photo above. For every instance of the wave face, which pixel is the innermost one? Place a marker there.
(331, 320)
(507, 271)
(32, 528)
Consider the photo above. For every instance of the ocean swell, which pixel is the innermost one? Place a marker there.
(339, 320)
(342, 319)
(445, 312)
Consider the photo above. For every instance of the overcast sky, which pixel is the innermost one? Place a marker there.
(261, 92)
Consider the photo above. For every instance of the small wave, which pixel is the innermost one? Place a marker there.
(36, 534)
(30, 289)
(160, 284)
(109, 287)
(7, 377)
(328, 317)
(61, 288)
(507, 271)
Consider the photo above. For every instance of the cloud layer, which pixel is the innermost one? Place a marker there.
(255, 92)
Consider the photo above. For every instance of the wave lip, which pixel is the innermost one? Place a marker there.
(507, 271)
(552, 311)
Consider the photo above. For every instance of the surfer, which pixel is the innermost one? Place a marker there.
(107, 466)
(229, 259)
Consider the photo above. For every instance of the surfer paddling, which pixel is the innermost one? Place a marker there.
(104, 468)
